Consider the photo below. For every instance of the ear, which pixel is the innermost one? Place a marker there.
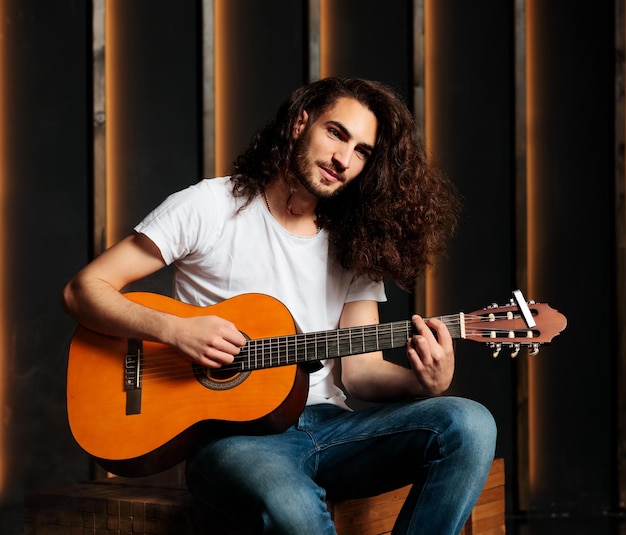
(300, 124)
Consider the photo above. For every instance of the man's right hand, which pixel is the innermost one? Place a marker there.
(210, 341)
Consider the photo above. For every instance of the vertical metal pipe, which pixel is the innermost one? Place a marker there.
(620, 244)
(208, 88)
(419, 109)
(313, 34)
(521, 247)
(5, 173)
(99, 199)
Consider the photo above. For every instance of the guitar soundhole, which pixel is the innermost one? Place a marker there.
(219, 379)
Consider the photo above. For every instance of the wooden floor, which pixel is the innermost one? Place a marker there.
(567, 525)
(12, 523)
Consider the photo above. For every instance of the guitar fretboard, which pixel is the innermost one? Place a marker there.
(311, 347)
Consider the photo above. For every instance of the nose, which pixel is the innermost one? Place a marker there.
(342, 157)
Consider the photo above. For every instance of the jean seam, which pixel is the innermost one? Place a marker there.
(437, 431)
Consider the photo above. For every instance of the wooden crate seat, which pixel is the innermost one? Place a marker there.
(376, 515)
(117, 506)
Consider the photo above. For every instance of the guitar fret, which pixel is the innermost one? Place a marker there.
(377, 346)
(306, 348)
(313, 347)
(276, 353)
(290, 353)
(344, 348)
(350, 340)
(322, 347)
(384, 338)
(332, 345)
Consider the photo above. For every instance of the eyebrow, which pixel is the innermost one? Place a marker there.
(346, 132)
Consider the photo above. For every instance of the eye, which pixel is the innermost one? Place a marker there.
(333, 132)
(363, 153)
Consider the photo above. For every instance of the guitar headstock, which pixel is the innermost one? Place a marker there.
(516, 325)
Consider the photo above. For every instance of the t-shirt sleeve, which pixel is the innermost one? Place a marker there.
(365, 289)
(174, 226)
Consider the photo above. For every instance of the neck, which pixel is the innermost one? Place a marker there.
(293, 208)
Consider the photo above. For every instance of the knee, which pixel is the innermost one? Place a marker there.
(471, 428)
(278, 496)
(296, 509)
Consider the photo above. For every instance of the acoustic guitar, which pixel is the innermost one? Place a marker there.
(137, 406)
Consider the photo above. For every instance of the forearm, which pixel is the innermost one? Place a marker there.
(209, 340)
(93, 295)
(371, 378)
(98, 305)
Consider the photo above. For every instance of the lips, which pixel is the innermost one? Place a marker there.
(329, 174)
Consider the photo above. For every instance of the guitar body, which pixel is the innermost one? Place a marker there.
(175, 405)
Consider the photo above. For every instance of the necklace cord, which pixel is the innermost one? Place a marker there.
(269, 209)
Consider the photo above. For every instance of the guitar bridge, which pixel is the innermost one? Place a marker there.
(132, 376)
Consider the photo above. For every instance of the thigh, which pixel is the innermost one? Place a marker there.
(233, 466)
(258, 484)
(387, 446)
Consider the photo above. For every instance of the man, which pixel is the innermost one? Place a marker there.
(333, 195)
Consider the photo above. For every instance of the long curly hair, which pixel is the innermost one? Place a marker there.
(396, 217)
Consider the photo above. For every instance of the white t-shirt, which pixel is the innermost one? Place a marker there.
(219, 253)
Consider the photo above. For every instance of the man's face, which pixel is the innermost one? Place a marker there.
(333, 150)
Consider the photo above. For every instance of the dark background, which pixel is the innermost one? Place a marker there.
(472, 86)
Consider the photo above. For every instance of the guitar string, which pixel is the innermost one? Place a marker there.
(159, 364)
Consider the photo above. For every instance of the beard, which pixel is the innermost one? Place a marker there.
(302, 166)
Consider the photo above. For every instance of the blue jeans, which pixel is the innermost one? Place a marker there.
(278, 484)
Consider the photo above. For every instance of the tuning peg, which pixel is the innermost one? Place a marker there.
(534, 351)
(496, 350)
(515, 346)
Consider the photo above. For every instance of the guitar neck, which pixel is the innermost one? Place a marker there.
(312, 347)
